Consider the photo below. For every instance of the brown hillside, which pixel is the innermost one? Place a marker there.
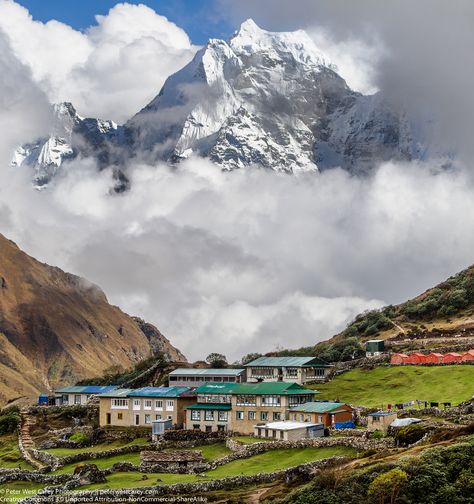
(56, 328)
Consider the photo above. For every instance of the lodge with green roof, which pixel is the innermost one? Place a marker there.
(327, 413)
(291, 369)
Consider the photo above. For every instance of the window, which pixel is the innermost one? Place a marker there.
(137, 404)
(157, 417)
(119, 416)
(299, 399)
(222, 416)
(264, 415)
(301, 418)
(208, 428)
(262, 372)
(282, 435)
(221, 427)
(173, 378)
(294, 417)
(270, 400)
(159, 404)
(246, 400)
(209, 415)
(148, 419)
(195, 415)
(292, 372)
(147, 404)
(320, 419)
(308, 418)
(239, 415)
(196, 427)
(119, 403)
(276, 416)
(169, 405)
(252, 415)
(77, 399)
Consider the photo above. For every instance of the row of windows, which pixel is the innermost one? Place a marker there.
(202, 378)
(252, 415)
(148, 418)
(214, 398)
(209, 415)
(147, 404)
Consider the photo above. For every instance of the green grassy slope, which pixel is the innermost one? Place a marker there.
(384, 385)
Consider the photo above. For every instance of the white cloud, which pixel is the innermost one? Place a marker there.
(248, 260)
(112, 69)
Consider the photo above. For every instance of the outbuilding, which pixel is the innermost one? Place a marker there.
(398, 358)
(327, 413)
(289, 430)
(468, 356)
(451, 357)
(415, 358)
(380, 420)
(433, 358)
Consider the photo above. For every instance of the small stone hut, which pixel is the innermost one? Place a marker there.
(176, 461)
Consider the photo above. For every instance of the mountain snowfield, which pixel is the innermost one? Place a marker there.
(263, 98)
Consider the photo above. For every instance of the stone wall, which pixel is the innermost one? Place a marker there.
(33, 477)
(146, 494)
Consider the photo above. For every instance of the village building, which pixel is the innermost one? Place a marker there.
(451, 357)
(289, 430)
(291, 369)
(380, 421)
(398, 358)
(373, 348)
(140, 407)
(78, 395)
(212, 412)
(195, 377)
(468, 356)
(265, 402)
(433, 358)
(326, 413)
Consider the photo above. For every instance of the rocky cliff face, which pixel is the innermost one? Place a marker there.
(267, 99)
(56, 328)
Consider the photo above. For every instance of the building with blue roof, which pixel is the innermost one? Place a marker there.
(79, 395)
(141, 407)
(291, 369)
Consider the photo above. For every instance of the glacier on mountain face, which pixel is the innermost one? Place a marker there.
(270, 99)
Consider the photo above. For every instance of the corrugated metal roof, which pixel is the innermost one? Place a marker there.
(286, 425)
(86, 389)
(272, 388)
(288, 362)
(158, 392)
(206, 372)
(217, 388)
(382, 413)
(224, 407)
(121, 392)
(317, 407)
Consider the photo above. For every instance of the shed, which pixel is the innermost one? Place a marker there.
(288, 430)
(43, 400)
(380, 420)
(327, 413)
(415, 358)
(398, 358)
(158, 428)
(433, 358)
(468, 356)
(170, 461)
(374, 347)
(452, 357)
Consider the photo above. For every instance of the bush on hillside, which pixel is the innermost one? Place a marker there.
(9, 422)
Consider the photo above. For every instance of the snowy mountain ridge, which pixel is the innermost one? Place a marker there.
(270, 99)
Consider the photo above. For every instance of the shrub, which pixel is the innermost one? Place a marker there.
(9, 422)
(80, 438)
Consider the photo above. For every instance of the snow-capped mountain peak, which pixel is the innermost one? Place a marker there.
(251, 39)
(271, 99)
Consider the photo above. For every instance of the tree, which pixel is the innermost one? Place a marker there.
(250, 357)
(387, 485)
(216, 360)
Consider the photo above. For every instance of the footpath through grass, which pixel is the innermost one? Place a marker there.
(273, 460)
(382, 385)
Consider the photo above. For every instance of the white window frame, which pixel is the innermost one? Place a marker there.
(147, 404)
(118, 403)
(195, 415)
(170, 405)
(159, 404)
(147, 419)
(137, 404)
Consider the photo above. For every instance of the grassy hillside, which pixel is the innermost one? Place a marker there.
(448, 304)
(384, 385)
